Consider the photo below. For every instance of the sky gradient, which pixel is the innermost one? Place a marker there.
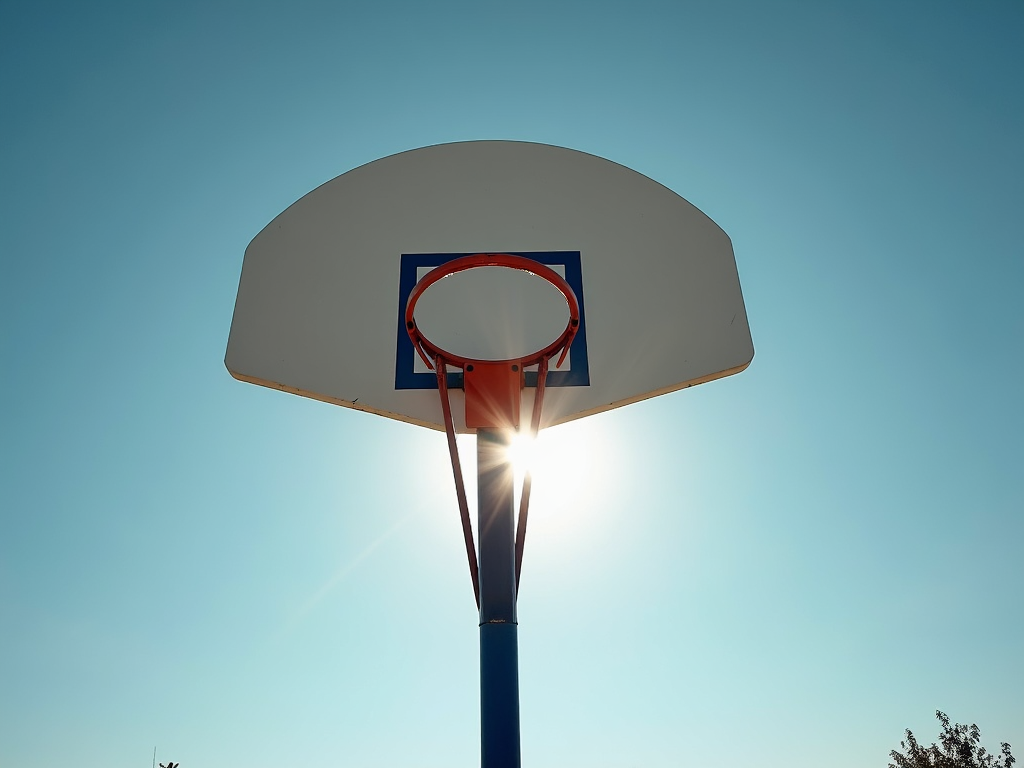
(785, 568)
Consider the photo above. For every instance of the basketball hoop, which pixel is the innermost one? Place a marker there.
(427, 350)
(493, 387)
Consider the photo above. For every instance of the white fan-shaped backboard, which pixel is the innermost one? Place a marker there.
(323, 286)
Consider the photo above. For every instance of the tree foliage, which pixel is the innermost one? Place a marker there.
(958, 748)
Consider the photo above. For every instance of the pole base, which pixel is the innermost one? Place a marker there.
(499, 695)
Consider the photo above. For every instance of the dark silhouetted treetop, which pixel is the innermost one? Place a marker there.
(958, 748)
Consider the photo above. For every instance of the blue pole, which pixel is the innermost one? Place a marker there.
(499, 645)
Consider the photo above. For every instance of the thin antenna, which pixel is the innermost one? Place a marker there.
(154, 757)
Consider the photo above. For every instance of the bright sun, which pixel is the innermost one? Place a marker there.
(574, 475)
(567, 464)
(523, 453)
(571, 466)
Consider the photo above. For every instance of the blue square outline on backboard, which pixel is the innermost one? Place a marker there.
(406, 377)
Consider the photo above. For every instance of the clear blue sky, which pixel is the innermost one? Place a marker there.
(783, 569)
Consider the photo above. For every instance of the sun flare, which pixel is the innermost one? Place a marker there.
(575, 470)
(523, 453)
(568, 466)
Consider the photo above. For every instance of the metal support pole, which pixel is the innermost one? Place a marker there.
(499, 646)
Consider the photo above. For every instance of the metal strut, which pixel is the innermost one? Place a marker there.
(441, 368)
(524, 499)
